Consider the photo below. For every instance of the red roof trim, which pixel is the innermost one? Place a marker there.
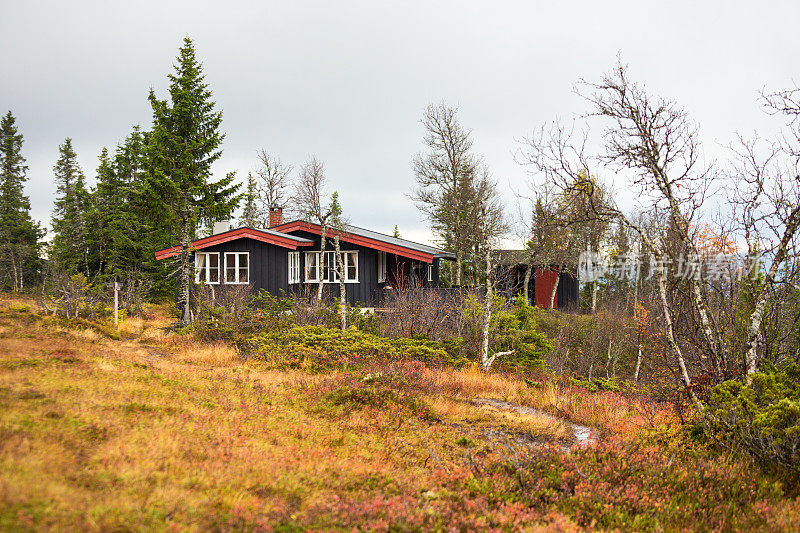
(300, 225)
(232, 235)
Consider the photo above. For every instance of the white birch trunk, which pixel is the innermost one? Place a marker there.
(555, 290)
(638, 364)
(756, 318)
(342, 290)
(676, 349)
(323, 238)
(527, 282)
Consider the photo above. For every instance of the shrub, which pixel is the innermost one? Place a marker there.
(512, 327)
(72, 296)
(318, 346)
(235, 314)
(762, 418)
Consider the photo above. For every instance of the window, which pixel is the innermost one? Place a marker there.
(206, 267)
(237, 268)
(430, 272)
(294, 267)
(328, 267)
(312, 267)
(381, 267)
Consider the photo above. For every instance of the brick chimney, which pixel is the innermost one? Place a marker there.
(275, 216)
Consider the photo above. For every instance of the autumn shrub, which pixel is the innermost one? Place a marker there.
(72, 296)
(235, 314)
(420, 311)
(511, 329)
(598, 384)
(321, 347)
(762, 418)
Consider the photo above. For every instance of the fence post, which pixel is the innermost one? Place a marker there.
(117, 287)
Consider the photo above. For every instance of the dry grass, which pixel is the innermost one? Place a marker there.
(473, 382)
(156, 431)
(207, 354)
(541, 427)
(97, 434)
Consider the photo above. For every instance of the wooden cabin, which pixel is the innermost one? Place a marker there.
(285, 259)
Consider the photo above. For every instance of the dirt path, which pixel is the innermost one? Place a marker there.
(584, 436)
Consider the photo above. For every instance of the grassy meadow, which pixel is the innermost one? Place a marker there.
(146, 429)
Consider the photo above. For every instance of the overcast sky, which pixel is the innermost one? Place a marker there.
(348, 81)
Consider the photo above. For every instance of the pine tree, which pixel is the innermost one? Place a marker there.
(19, 234)
(69, 249)
(396, 233)
(183, 144)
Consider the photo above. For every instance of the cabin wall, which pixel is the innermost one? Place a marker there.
(269, 269)
(268, 263)
(362, 292)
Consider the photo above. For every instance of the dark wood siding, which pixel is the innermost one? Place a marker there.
(269, 265)
(362, 292)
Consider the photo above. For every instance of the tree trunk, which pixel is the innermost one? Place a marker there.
(594, 296)
(754, 328)
(323, 237)
(608, 358)
(459, 257)
(676, 349)
(185, 272)
(487, 315)
(638, 364)
(14, 268)
(555, 290)
(342, 292)
(527, 282)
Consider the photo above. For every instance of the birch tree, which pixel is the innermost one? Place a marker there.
(338, 226)
(767, 200)
(655, 144)
(309, 193)
(446, 177)
(492, 225)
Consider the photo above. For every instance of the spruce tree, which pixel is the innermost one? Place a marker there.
(250, 210)
(183, 144)
(19, 234)
(105, 211)
(69, 250)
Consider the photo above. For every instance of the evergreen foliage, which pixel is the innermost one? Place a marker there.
(19, 234)
(182, 146)
(250, 212)
(70, 248)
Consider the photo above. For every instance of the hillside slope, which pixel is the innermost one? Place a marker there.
(155, 431)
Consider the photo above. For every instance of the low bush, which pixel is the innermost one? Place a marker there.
(511, 328)
(597, 384)
(321, 347)
(762, 418)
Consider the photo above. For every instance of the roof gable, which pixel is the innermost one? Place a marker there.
(263, 235)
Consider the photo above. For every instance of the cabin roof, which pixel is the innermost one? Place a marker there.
(264, 235)
(372, 239)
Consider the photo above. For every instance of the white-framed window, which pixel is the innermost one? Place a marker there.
(237, 268)
(327, 268)
(430, 272)
(294, 267)
(312, 267)
(206, 267)
(381, 267)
